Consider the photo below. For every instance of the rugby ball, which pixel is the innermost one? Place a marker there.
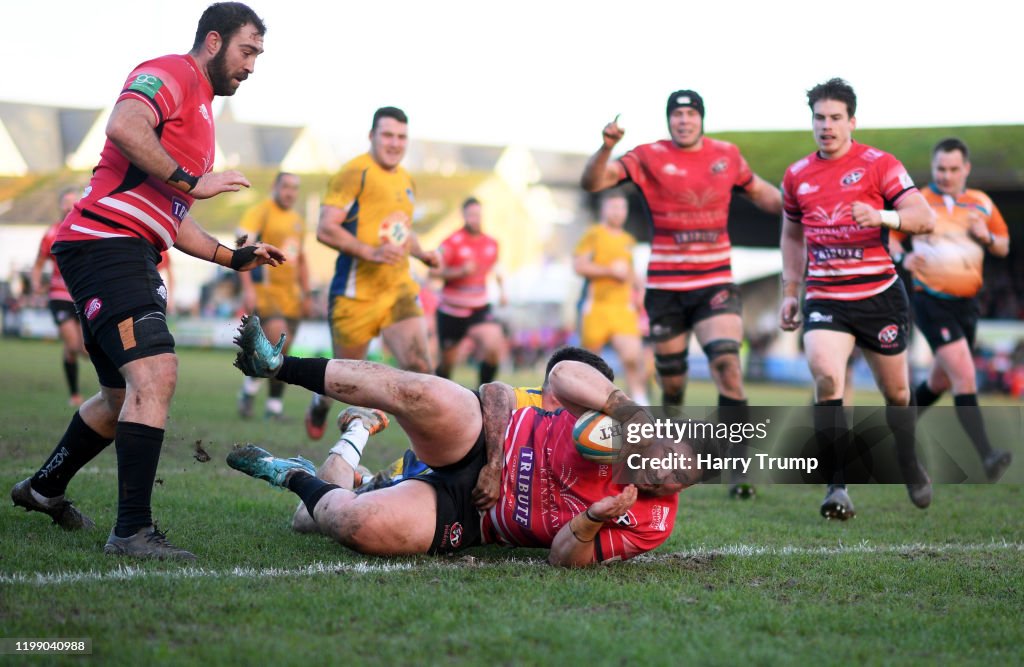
(394, 230)
(597, 437)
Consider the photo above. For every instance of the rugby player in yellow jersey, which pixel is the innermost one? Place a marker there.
(357, 424)
(608, 314)
(947, 270)
(367, 217)
(279, 295)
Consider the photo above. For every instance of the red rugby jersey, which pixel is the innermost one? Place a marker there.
(461, 295)
(58, 288)
(122, 200)
(545, 483)
(688, 195)
(845, 261)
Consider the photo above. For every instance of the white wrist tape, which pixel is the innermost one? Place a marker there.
(890, 219)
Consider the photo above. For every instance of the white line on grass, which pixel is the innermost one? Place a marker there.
(748, 551)
(129, 572)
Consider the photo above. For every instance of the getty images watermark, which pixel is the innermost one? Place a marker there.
(807, 444)
(691, 430)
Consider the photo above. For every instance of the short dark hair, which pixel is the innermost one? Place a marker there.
(614, 193)
(951, 144)
(225, 19)
(283, 174)
(834, 89)
(470, 201)
(571, 353)
(388, 112)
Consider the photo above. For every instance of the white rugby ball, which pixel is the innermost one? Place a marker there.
(597, 437)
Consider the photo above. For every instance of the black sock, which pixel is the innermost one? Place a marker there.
(902, 420)
(735, 411)
(138, 453)
(276, 388)
(969, 414)
(71, 374)
(79, 445)
(833, 436)
(308, 373)
(487, 372)
(308, 488)
(924, 397)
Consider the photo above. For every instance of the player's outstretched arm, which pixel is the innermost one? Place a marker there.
(196, 241)
(573, 546)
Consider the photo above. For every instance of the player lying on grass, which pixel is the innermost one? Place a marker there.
(357, 424)
(548, 496)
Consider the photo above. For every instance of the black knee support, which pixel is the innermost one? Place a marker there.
(671, 364)
(721, 347)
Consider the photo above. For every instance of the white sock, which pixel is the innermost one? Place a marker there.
(275, 406)
(251, 386)
(353, 440)
(640, 398)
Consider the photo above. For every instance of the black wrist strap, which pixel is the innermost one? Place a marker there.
(243, 256)
(182, 180)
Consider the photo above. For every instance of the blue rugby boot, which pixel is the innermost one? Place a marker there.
(257, 356)
(261, 464)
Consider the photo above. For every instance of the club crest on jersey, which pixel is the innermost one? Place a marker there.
(92, 309)
(888, 335)
(719, 299)
(852, 177)
(412, 197)
(178, 208)
(455, 535)
(626, 520)
(720, 166)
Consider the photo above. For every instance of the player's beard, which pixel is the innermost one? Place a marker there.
(220, 78)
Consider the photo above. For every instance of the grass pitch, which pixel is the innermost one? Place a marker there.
(759, 582)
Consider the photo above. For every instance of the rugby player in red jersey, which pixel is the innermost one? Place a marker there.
(687, 183)
(61, 306)
(840, 203)
(548, 495)
(156, 161)
(468, 256)
(947, 269)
